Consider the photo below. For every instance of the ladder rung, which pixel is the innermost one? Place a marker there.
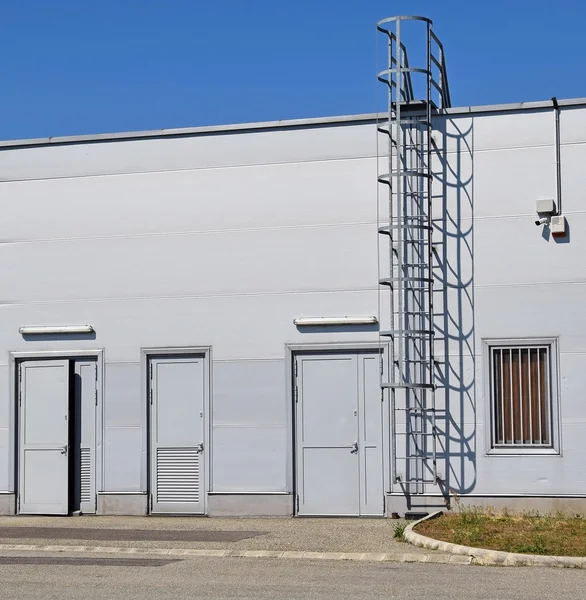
(386, 229)
(429, 362)
(408, 332)
(391, 280)
(410, 386)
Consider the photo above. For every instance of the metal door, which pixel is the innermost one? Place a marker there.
(43, 469)
(338, 435)
(86, 398)
(370, 436)
(177, 393)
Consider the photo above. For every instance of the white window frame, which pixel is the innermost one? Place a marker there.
(519, 450)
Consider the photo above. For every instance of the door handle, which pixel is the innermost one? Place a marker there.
(65, 449)
(199, 447)
(354, 448)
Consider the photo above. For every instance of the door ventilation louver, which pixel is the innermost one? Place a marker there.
(86, 474)
(177, 475)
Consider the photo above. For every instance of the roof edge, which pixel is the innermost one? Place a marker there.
(273, 125)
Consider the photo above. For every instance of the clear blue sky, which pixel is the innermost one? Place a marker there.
(74, 66)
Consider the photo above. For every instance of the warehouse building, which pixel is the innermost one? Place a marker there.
(358, 315)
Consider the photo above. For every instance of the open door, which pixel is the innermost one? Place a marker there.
(83, 436)
(43, 398)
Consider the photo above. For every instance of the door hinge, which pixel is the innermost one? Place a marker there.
(150, 370)
(96, 394)
(297, 505)
(296, 394)
(151, 395)
(151, 502)
(384, 505)
(296, 368)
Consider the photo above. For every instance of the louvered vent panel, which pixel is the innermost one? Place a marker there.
(86, 475)
(177, 475)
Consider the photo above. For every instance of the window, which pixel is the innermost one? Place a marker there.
(521, 395)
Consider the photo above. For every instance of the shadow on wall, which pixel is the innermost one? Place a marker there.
(58, 337)
(456, 415)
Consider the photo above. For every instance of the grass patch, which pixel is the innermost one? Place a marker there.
(527, 533)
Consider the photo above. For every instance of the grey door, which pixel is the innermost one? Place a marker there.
(84, 465)
(338, 435)
(43, 437)
(177, 394)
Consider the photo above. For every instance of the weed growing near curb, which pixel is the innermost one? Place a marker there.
(399, 531)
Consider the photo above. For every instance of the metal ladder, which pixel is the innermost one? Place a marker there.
(406, 262)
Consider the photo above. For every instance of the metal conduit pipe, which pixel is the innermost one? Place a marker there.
(558, 160)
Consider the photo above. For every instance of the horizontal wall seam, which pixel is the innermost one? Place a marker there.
(5, 303)
(308, 226)
(164, 234)
(276, 163)
(249, 425)
(185, 296)
(241, 360)
(193, 169)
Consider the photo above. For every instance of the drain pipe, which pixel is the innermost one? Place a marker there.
(557, 221)
(558, 160)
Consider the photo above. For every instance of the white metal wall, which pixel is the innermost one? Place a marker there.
(221, 240)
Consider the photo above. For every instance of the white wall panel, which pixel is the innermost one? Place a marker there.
(124, 405)
(513, 129)
(513, 251)
(571, 384)
(124, 417)
(532, 311)
(509, 182)
(249, 426)
(320, 258)
(573, 125)
(249, 393)
(250, 459)
(573, 159)
(124, 459)
(197, 152)
(282, 195)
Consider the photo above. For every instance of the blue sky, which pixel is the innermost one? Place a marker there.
(74, 66)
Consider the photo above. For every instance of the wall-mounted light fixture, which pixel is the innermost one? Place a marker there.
(324, 321)
(55, 329)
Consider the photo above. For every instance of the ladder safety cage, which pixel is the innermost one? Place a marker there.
(406, 273)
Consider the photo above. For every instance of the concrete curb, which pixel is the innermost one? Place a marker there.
(189, 552)
(480, 556)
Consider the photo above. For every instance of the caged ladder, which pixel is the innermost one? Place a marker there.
(406, 259)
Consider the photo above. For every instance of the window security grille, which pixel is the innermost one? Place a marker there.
(521, 396)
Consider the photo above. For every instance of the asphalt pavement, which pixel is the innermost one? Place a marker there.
(39, 576)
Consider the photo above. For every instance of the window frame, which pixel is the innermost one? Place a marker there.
(489, 344)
